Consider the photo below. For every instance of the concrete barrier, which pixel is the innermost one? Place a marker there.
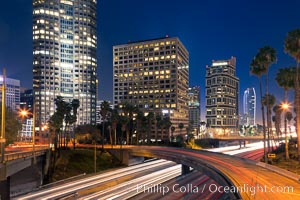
(280, 171)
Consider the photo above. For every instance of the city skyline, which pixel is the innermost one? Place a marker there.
(208, 31)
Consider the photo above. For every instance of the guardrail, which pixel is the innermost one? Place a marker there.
(23, 154)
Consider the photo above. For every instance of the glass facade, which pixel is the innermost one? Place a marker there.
(194, 107)
(64, 56)
(249, 106)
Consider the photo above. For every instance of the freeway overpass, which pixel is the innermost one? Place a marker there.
(24, 164)
(240, 174)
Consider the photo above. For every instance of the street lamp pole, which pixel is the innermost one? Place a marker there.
(2, 138)
(33, 133)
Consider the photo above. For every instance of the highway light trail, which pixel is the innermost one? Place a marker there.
(74, 186)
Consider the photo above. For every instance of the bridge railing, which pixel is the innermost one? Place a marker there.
(23, 154)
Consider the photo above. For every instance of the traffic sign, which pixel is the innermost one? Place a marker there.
(271, 155)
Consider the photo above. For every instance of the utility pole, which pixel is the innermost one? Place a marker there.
(33, 133)
(2, 139)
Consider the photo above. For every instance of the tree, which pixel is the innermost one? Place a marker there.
(123, 119)
(140, 127)
(114, 119)
(269, 101)
(75, 105)
(168, 124)
(172, 132)
(12, 125)
(180, 126)
(289, 117)
(87, 133)
(150, 120)
(158, 124)
(285, 79)
(56, 120)
(259, 66)
(129, 110)
(104, 112)
(292, 47)
(266, 56)
(277, 119)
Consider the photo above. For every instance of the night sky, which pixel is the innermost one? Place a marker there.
(210, 30)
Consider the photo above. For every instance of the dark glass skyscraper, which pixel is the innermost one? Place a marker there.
(64, 56)
(194, 108)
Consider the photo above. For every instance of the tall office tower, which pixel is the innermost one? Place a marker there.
(64, 57)
(154, 76)
(12, 99)
(249, 105)
(194, 108)
(222, 97)
(26, 100)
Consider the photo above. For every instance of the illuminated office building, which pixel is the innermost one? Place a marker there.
(222, 97)
(12, 99)
(64, 57)
(154, 76)
(249, 106)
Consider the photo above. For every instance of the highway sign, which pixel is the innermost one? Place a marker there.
(271, 155)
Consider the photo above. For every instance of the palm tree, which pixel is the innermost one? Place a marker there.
(180, 126)
(140, 119)
(123, 119)
(167, 125)
(104, 112)
(269, 101)
(259, 66)
(129, 110)
(289, 117)
(172, 132)
(292, 47)
(266, 56)
(158, 124)
(75, 105)
(150, 120)
(114, 118)
(285, 79)
(277, 119)
(257, 69)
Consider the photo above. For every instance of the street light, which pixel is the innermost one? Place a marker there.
(285, 106)
(25, 113)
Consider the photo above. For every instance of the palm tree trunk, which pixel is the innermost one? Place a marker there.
(263, 117)
(115, 133)
(127, 137)
(268, 111)
(155, 131)
(297, 107)
(285, 128)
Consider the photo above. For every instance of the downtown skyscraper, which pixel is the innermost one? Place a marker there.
(222, 97)
(249, 106)
(64, 57)
(153, 75)
(194, 108)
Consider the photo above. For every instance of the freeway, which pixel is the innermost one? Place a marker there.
(243, 175)
(103, 179)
